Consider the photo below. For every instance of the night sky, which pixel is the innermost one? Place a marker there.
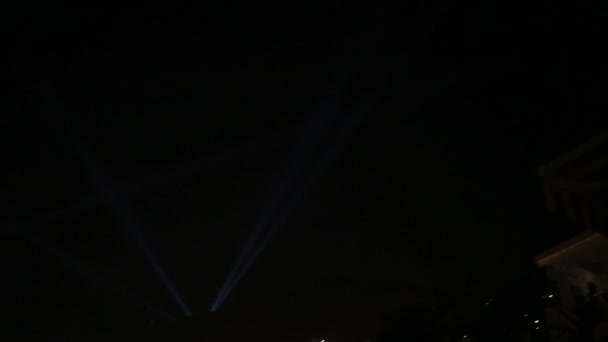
(193, 114)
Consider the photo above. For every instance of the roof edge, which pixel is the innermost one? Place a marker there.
(580, 238)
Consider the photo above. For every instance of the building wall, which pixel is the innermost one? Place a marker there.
(574, 268)
(576, 186)
(570, 279)
(576, 265)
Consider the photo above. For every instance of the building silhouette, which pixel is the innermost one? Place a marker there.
(576, 187)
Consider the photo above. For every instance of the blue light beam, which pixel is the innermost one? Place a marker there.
(337, 88)
(102, 183)
(311, 133)
(324, 161)
(281, 188)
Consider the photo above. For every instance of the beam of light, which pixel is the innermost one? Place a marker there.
(291, 205)
(281, 188)
(338, 88)
(324, 161)
(110, 197)
(73, 264)
(316, 126)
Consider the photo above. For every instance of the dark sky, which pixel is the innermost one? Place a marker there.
(194, 112)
